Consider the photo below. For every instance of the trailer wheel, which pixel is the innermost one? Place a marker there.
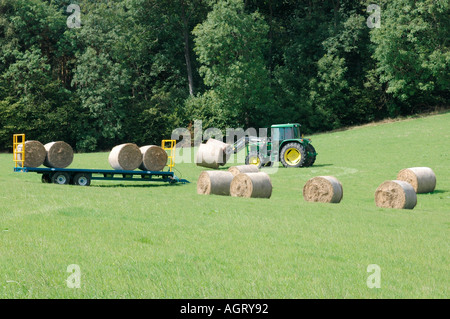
(46, 178)
(60, 178)
(82, 179)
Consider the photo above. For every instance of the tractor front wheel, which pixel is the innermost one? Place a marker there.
(293, 155)
(254, 159)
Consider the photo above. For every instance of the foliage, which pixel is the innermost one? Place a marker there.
(137, 69)
(230, 45)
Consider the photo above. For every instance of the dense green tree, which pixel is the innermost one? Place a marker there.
(34, 99)
(137, 69)
(230, 45)
(412, 51)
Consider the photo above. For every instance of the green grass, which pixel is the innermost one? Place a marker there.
(160, 241)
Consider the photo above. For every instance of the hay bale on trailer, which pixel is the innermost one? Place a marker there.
(125, 157)
(395, 194)
(422, 179)
(35, 153)
(323, 189)
(214, 182)
(208, 156)
(254, 185)
(154, 158)
(59, 154)
(236, 170)
(226, 149)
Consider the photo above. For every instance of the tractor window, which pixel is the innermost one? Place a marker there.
(289, 134)
(277, 134)
(281, 134)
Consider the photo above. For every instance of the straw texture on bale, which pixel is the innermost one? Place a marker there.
(214, 182)
(255, 185)
(35, 153)
(126, 157)
(59, 154)
(226, 150)
(236, 170)
(208, 156)
(323, 189)
(154, 158)
(395, 194)
(422, 179)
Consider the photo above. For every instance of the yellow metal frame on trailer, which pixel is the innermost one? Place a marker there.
(171, 149)
(19, 139)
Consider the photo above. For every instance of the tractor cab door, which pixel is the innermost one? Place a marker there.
(285, 133)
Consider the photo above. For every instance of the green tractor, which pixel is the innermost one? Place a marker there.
(291, 149)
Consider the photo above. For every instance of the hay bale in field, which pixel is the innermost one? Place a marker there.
(35, 153)
(255, 185)
(323, 189)
(59, 154)
(154, 158)
(126, 157)
(226, 149)
(422, 179)
(236, 170)
(214, 182)
(208, 156)
(395, 194)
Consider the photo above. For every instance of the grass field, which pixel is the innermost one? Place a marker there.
(160, 241)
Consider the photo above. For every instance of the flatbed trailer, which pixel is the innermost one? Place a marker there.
(83, 177)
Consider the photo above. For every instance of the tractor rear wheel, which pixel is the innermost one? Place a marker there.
(293, 155)
(310, 159)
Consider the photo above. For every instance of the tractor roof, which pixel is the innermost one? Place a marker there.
(285, 125)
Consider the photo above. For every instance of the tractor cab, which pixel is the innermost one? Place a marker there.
(282, 132)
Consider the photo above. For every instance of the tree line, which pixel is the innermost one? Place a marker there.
(134, 70)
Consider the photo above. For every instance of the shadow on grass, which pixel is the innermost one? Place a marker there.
(162, 184)
(438, 191)
(281, 166)
(321, 165)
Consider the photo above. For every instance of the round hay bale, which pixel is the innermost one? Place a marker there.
(125, 157)
(395, 194)
(35, 153)
(323, 189)
(255, 185)
(209, 156)
(154, 158)
(225, 148)
(422, 179)
(236, 170)
(214, 182)
(59, 154)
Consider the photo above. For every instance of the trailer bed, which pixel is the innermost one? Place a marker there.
(83, 177)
